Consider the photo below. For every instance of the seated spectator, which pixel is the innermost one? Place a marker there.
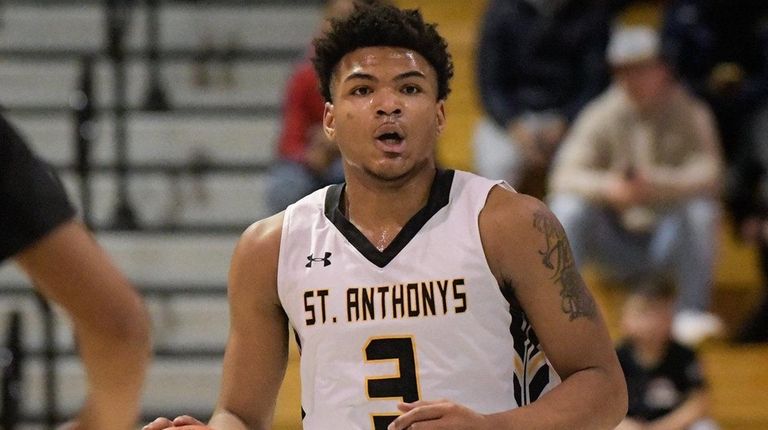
(636, 181)
(538, 63)
(747, 197)
(719, 50)
(665, 384)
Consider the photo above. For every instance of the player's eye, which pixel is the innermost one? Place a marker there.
(411, 89)
(360, 91)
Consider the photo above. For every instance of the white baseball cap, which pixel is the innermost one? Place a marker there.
(633, 44)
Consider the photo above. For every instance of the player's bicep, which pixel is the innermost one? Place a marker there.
(529, 251)
(257, 347)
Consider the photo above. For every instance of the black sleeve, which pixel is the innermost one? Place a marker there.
(32, 198)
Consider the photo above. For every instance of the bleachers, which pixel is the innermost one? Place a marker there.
(195, 173)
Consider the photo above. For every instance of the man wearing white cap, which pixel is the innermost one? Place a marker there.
(637, 180)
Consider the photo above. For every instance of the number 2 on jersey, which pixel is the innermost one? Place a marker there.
(402, 385)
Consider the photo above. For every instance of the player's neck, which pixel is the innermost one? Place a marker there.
(380, 210)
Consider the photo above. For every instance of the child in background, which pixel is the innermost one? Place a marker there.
(666, 387)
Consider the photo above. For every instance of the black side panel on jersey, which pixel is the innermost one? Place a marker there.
(438, 198)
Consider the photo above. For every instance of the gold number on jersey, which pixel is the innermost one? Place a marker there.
(403, 385)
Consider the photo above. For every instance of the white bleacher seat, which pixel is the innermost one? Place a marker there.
(161, 200)
(30, 82)
(156, 138)
(273, 26)
(255, 83)
(179, 321)
(50, 135)
(176, 139)
(186, 260)
(172, 383)
(37, 82)
(52, 27)
(182, 26)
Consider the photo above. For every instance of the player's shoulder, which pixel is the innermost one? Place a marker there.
(507, 209)
(263, 235)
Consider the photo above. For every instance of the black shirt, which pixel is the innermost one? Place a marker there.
(654, 392)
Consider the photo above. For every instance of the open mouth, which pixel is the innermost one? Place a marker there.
(390, 138)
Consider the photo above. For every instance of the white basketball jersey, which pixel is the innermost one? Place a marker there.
(423, 319)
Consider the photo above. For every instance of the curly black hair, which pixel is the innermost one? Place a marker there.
(382, 25)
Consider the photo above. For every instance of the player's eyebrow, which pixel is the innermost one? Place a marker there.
(400, 77)
(411, 74)
(360, 75)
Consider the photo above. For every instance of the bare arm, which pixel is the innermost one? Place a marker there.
(110, 322)
(257, 349)
(528, 251)
(691, 410)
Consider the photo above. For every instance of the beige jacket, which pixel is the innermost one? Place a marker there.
(677, 147)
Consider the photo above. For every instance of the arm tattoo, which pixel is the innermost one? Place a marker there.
(576, 300)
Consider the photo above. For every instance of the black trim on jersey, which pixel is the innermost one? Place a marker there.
(438, 198)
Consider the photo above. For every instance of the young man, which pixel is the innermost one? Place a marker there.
(637, 180)
(39, 231)
(413, 292)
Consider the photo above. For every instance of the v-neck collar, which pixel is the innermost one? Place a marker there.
(438, 198)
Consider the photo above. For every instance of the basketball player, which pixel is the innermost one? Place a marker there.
(40, 232)
(420, 298)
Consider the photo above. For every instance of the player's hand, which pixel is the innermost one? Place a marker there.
(163, 423)
(436, 415)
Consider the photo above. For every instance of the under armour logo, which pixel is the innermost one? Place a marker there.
(312, 259)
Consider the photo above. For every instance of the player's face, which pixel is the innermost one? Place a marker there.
(385, 114)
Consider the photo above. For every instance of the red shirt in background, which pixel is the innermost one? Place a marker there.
(302, 110)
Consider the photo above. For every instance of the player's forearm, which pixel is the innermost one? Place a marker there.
(115, 361)
(592, 398)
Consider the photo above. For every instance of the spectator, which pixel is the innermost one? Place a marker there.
(720, 50)
(538, 63)
(747, 197)
(666, 385)
(307, 160)
(636, 181)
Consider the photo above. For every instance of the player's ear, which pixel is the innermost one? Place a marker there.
(329, 121)
(440, 116)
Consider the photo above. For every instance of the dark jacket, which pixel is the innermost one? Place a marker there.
(528, 61)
